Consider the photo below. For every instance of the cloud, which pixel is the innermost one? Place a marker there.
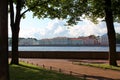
(88, 28)
(56, 28)
(27, 32)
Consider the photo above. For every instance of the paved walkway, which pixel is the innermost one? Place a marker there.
(90, 72)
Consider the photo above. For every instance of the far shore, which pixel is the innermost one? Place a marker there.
(118, 45)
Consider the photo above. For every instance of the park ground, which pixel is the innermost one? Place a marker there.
(67, 65)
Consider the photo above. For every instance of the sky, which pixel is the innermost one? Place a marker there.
(46, 28)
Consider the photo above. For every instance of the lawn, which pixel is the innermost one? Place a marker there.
(30, 72)
(103, 66)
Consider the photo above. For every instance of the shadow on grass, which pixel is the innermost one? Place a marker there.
(93, 62)
(94, 77)
(99, 78)
(84, 76)
(30, 72)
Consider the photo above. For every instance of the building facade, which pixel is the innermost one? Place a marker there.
(64, 41)
(104, 40)
(28, 41)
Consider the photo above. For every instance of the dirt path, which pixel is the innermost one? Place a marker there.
(90, 72)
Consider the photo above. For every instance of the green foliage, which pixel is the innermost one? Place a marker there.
(71, 10)
(96, 10)
(31, 72)
(116, 10)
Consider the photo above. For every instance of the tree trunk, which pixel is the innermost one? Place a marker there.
(15, 39)
(111, 33)
(15, 52)
(4, 68)
(15, 26)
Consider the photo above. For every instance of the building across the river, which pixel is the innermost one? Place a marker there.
(90, 40)
(65, 41)
(104, 40)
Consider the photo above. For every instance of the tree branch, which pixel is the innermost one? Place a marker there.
(18, 16)
(11, 13)
(37, 3)
(18, 10)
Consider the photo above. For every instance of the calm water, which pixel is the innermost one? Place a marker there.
(65, 48)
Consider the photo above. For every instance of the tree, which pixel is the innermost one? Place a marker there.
(46, 8)
(107, 10)
(111, 33)
(4, 70)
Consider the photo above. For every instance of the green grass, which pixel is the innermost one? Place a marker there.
(103, 66)
(30, 72)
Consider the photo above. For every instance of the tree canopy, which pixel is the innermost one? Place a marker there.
(71, 10)
(90, 9)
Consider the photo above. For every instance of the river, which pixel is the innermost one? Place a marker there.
(65, 48)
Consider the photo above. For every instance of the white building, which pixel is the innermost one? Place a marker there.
(60, 41)
(28, 41)
(104, 39)
(89, 40)
(75, 41)
(54, 41)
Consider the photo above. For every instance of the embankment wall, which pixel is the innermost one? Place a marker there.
(64, 55)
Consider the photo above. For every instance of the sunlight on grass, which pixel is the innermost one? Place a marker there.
(103, 66)
(106, 66)
(30, 72)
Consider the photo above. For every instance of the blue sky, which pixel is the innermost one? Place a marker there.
(46, 28)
